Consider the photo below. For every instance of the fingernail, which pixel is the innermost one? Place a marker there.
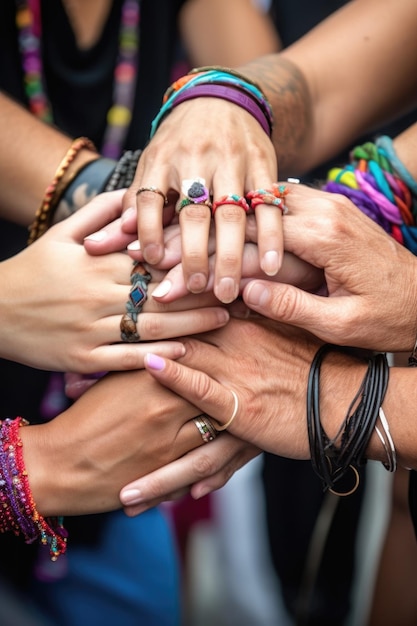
(270, 263)
(227, 290)
(257, 294)
(154, 362)
(162, 289)
(197, 282)
(126, 214)
(152, 253)
(98, 236)
(131, 496)
(134, 245)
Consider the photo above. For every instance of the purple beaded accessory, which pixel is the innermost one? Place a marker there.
(28, 22)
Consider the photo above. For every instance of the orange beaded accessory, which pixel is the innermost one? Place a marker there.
(45, 212)
(273, 197)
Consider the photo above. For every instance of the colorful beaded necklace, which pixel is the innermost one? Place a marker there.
(28, 22)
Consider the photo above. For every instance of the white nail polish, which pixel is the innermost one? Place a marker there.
(162, 289)
(135, 245)
(98, 236)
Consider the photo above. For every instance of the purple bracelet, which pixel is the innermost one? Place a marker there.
(226, 93)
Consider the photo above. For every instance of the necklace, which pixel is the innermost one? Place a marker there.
(28, 22)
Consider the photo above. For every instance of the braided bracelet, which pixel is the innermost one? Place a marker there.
(45, 212)
(18, 511)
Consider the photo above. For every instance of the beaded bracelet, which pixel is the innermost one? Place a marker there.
(44, 214)
(18, 512)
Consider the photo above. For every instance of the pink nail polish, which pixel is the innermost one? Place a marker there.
(155, 362)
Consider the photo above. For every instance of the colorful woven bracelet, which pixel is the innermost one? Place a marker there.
(223, 77)
(373, 184)
(18, 511)
(226, 93)
(44, 214)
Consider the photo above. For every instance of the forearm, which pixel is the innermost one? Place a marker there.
(31, 153)
(234, 32)
(326, 89)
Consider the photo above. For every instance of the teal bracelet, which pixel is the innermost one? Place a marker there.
(385, 144)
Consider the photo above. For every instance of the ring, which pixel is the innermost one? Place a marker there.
(234, 413)
(205, 427)
(186, 202)
(232, 198)
(195, 190)
(153, 190)
(139, 279)
(273, 196)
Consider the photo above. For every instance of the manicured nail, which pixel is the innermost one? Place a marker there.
(227, 290)
(162, 289)
(257, 294)
(98, 236)
(270, 263)
(134, 245)
(154, 362)
(131, 496)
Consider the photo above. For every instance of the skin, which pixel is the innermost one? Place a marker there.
(309, 86)
(66, 315)
(361, 310)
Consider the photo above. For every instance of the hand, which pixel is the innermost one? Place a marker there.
(371, 279)
(206, 469)
(266, 366)
(62, 308)
(125, 426)
(230, 163)
(172, 285)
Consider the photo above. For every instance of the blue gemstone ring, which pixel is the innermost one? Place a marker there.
(140, 279)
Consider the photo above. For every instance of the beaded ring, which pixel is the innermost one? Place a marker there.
(232, 198)
(274, 196)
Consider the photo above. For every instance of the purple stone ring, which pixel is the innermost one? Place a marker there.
(195, 190)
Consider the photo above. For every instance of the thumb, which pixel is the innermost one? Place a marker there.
(288, 304)
(98, 213)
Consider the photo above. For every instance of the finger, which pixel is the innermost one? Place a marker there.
(211, 397)
(151, 188)
(270, 238)
(230, 223)
(155, 326)
(103, 209)
(193, 467)
(195, 227)
(109, 239)
(288, 304)
(122, 356)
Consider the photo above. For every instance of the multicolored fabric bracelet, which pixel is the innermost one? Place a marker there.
(373, 181)
(219, 77)
(18, 512)
(231, 94)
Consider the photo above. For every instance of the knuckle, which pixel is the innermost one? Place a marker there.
(203, 465)
(232, 213)
(150, 327)
(196, 213)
